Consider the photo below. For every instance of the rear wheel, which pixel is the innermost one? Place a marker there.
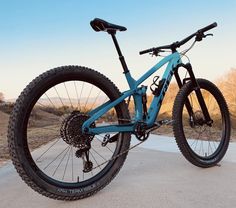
(49, 114)
(201, 144)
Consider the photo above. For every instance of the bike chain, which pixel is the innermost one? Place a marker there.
(122, 153)
(115, 157)
(141, 141)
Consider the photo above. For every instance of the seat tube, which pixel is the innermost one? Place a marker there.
(121, 57)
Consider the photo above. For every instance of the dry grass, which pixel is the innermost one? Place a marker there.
(48, 120)
(3, 135)
(39, 132)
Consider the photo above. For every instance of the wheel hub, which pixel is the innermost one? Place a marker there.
(71, 130)
(199, 118)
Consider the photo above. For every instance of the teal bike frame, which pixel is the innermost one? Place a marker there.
(142, 116)
(137, 91)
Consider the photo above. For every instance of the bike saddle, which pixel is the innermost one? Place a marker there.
(102, 25)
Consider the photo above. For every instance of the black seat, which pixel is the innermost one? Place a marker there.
(102, 25)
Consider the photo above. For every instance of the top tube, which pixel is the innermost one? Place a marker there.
(174, 56)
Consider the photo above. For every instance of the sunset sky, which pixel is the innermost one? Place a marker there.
(39, 35)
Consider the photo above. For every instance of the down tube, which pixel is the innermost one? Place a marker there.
(157, 100)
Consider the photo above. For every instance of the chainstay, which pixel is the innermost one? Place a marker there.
(115, 157)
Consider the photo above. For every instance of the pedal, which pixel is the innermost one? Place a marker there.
(108, 139)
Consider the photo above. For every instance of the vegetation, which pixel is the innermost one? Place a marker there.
(1, 97)
(43, 116)
(6, 107)
(228, 87)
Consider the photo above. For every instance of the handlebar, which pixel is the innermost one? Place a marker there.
(199, 35)
(209, 27)
(146, 51)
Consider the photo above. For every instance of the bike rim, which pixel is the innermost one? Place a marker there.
(56, 107)
(204, 141)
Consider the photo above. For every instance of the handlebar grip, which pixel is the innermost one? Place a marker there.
(146, 51)
(204, 29)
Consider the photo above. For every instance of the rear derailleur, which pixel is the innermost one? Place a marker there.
(84, 154)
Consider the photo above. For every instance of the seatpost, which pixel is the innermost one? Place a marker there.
(121, 57)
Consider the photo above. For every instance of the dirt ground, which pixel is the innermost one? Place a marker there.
(3, 136)
(36, 141)
(36, 134)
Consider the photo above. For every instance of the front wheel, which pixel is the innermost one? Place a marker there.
(202, 144)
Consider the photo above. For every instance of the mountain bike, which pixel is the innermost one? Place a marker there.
(81, 121)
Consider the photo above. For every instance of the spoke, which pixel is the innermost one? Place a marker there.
(98, 154)
(193, 133)
(95, 160)
(101, 142)
(210, 98)
(197, 101)
(43, 109)
(79, 169)
(68, 95)
(199, 152)
(209, 147)
(194, 140)
(47, 149)
(51, 129)
(53, 119)
(81, 94)
(195, 146)
(105, 100)
(201, 145)
(191, 101)
(50, 100)
(95, 100)
(214, 141)
(66, 164)
(88, 97)
(197, 141)
(72, 164)
(202, 148)
(58, 96)
(78, 103)
(215, 144)
(41, 104)
(61, 161)
(56, 157)
(209, 142)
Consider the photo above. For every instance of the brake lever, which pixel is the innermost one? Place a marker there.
(156, 52)
(209, 34)
(200, 36)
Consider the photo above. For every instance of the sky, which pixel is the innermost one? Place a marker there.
(38, 35)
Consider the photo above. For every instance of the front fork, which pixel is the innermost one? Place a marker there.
(197, 90)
